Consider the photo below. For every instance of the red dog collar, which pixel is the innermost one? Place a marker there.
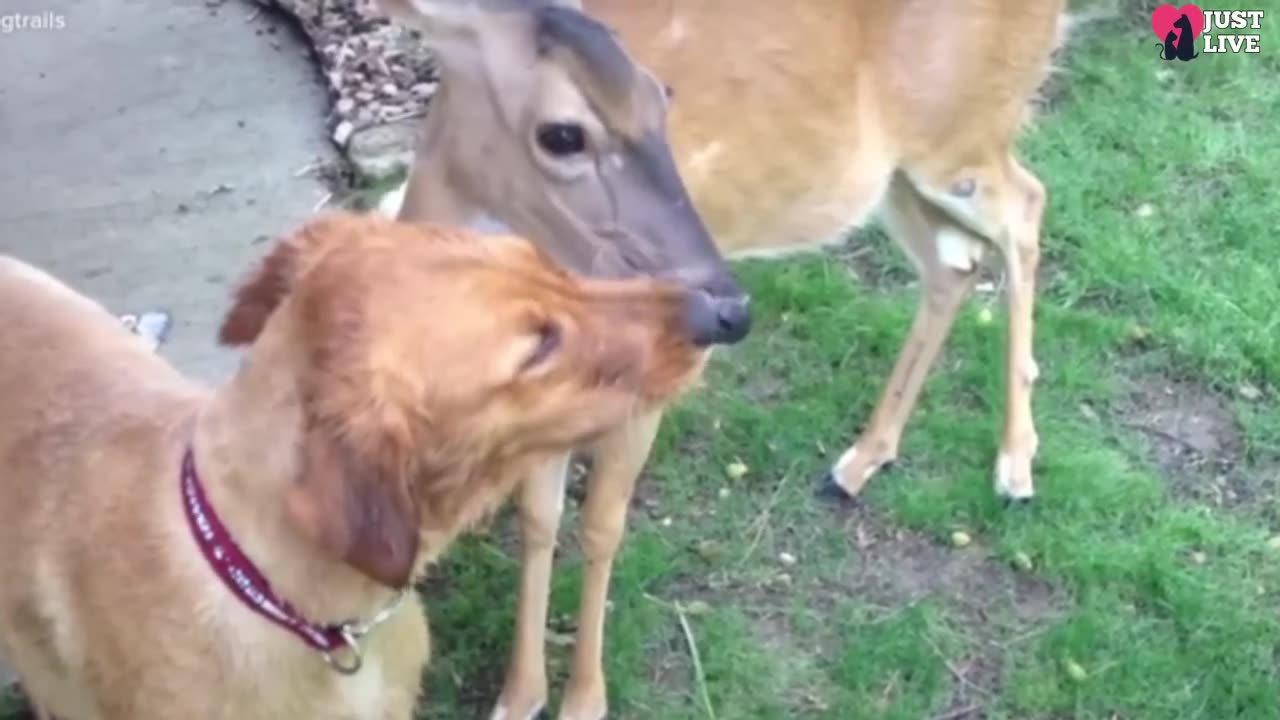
(248, 584)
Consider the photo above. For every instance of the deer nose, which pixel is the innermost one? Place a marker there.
(717, 319)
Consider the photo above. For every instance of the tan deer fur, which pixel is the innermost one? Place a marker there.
(791, 123)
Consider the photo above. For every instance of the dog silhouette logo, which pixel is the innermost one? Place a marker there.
(1178, 29)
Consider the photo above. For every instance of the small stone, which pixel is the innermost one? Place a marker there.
(345, 105)
(724, 493)
(386, 112)
(1199, 558)
(423, 89)
(666, 522)
(1145, 210)
(1250, 392)
(960, 539)
(787, 558)
(390, 89)
(342, 133)
(708, 550)
(364, 96)
(1139, 333)
(560, 639)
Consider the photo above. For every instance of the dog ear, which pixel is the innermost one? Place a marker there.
(359, 509)
(259, 296)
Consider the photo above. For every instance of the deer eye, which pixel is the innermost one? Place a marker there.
(562, 139)
(548, 342)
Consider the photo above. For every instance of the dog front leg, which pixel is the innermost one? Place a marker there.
(541, 503)
(618, 459)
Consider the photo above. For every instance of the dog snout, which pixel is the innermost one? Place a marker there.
(717, 319)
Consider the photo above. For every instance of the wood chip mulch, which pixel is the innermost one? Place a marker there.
(377, 72)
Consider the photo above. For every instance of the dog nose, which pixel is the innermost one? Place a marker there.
(717, 320)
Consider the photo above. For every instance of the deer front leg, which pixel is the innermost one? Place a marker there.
(541, 503)
(1021, 247)
(946, 257)
(618, 459)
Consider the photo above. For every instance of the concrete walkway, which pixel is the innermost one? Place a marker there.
(144, 146)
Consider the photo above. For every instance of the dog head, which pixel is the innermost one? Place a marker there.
(427, 356)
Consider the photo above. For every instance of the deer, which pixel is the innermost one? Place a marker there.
(788, 125)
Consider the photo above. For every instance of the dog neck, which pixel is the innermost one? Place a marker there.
(246, 453)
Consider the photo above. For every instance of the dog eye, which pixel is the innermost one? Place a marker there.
(548, 343)
(562, 139)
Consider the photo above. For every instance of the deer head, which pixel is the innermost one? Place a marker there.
(545, 123)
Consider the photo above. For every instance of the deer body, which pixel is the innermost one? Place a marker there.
(788, 118)
(789, 123)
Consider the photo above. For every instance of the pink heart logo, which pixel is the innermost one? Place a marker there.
(1165, 16)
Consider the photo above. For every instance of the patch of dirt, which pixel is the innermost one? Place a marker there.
(1193, 437)
(993, 606)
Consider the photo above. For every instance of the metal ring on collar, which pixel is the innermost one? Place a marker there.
(357, 656)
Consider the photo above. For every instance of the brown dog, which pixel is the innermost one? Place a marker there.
(171, 552)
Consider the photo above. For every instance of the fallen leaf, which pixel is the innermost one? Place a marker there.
(1022, 561)
(694, 608)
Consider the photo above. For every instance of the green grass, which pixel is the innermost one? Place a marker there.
(1160, 267)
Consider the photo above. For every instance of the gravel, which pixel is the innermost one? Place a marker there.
(380, 77)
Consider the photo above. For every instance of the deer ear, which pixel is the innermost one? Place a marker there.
(259, 296)
(357, 508)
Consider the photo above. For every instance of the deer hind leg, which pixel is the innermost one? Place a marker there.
(1003, 202)
(618, 459)
(541, 504)
(946, 256)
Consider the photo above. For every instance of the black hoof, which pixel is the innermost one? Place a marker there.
(543, 714)
(830, 491)
(1017, 502)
